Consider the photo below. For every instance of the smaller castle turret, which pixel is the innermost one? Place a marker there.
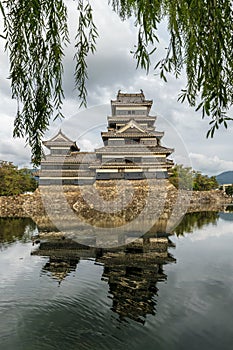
(60, 144)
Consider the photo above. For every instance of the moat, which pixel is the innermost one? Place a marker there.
(168, 292)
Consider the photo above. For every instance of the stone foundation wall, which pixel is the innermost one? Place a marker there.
(95, 203)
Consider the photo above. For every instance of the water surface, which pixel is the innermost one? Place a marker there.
(176, 294)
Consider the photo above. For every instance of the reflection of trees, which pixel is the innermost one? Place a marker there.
(229, 208)
(192, 221)
(12, 229)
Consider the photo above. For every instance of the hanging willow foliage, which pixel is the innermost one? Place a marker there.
(201, 42)
(35, 33)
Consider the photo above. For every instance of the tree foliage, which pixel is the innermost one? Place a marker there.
(186, 178)
(182, 177)
(201, 41)
(203, 182)
(229, 190)
(14, 181)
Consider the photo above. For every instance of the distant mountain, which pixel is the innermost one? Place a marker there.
(225, 178)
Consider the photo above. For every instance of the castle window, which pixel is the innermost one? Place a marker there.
(131, 141)
(59, 151)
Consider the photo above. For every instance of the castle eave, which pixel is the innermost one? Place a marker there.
(138, 134)
(131, 149)
(77, 158)
(131, 102)
(125, 118)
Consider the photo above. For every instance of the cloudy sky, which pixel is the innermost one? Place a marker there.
(110, 69)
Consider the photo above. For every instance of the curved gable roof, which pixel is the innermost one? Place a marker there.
(132, 124)
(60, 140)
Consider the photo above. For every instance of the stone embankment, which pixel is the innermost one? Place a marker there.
(109, 203)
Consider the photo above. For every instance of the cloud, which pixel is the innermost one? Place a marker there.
(15, 151)
(210, 165)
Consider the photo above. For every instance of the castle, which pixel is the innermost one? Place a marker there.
(131, 149)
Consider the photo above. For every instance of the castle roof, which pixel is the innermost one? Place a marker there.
(134, 149)
(132, 133)
(126, 118)
(129, 99)
(60, 140)
(75, 157)
(125, 98)
(132, 129)
(133, 125)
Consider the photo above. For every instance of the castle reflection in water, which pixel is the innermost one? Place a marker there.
(132, 271)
